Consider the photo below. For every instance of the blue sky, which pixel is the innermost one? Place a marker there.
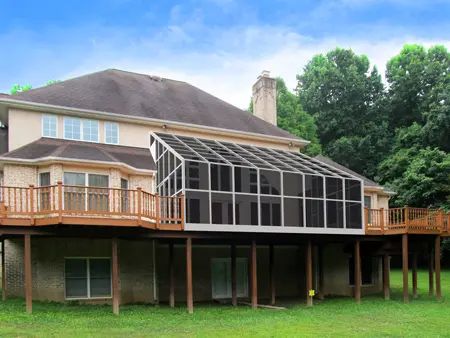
(218, 45)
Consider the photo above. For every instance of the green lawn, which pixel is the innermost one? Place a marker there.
(333, 317)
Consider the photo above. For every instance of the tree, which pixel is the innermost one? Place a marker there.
(17, 88)
(292, 118)
(416, 77)
(343, 93)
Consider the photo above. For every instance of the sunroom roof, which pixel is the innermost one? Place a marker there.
(220, 152)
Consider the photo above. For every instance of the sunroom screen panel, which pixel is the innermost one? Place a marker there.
(239, 185)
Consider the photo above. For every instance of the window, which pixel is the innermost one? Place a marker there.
(44, 191)
(72, 128)
(368, 202)
(79, 129)
(220, 177)
(368, 265)
(49, 126)
(90, 130)
(87, 277)
(313, 186)
(111, 133)
(76, 194)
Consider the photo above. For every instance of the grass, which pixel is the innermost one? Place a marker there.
(374, 317)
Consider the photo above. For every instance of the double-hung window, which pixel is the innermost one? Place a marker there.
(49, 126)
(87, 278)
(111, 133)
(81, 129)
(86, 192)
(72, 128)
(90, 130)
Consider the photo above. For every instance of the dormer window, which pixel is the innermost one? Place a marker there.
(111, 133)
(81, 129)
(49, 126)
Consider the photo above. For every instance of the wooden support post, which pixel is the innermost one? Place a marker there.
(115, 276)
(171, 277)
(414, 274)
(3, 271)
(32, 211)
(27, 271)
(309, 276)
(233, 276)
(386, 277)
(437, 266)
(189, 292)
(272, 274)
(357, 263)
(431, 272)
(254, 276)
(405, 267)
(60, 201)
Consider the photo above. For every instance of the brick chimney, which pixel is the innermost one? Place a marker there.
(265, 98)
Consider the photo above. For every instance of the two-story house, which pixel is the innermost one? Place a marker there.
(122, 187)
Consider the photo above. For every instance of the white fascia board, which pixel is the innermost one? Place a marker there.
(272, 229)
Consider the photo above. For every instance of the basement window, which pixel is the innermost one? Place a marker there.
(87, 278)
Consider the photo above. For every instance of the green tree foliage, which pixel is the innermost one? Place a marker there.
(17, 88)
(292, 117)
(344, 93)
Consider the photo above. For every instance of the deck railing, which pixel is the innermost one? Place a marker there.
(406, 220)
(132, 206)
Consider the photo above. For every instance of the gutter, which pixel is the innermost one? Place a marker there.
(52, 160)
(151, 121)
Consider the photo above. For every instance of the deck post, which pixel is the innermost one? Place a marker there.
(405, 267)
(60, 201)
(386, 277)
(309, 274)
(431, 272)
(233, 276)
(3, 271)
(189, 292)
(357, 263)
(414, 274)
(27, 272)
(115, 276)
(171, 276)
(437, 266)
(254, 276)
(272, 274)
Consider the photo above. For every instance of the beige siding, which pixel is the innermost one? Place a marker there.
(27, 127)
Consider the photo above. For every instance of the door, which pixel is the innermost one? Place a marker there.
(221, 277)
(98, 193)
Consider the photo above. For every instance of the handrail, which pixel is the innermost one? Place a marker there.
(73, 200)
(406, 219)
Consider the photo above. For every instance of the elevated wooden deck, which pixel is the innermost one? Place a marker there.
(407, 221)
(82, 205)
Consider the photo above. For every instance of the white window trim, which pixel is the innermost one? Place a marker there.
(42, 125)
(81, 129)
(118, 131)
(88, 278)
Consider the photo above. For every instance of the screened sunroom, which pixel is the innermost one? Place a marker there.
(238, 187)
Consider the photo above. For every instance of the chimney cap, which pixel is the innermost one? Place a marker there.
(264, 73)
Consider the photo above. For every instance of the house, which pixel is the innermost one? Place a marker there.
(121, 188)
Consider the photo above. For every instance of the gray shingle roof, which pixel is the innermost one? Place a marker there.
(137, 158)
(367, 182)
(141, 95)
